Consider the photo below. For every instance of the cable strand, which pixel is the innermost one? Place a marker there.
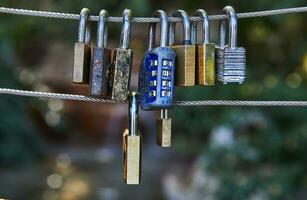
(74, 97)
(148, 19)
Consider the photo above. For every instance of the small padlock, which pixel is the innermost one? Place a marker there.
(205, 52)
(122, 63)
(185, 53)
(101, 60)
(230, 59)
(132, 145)
(82, 57)
(164, 129)
(156, 80)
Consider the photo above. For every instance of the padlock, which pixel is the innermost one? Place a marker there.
(82, 57)
(122, 63)
(156, 80)
(185, 53)
(101, 60)
(132, 145)
(164, 129)
(205, 52)
(230, 59)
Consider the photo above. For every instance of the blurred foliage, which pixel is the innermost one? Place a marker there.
(267, 157)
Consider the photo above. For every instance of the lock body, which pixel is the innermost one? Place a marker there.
(205, 64)
(157, 78)
(185, 65)
(120, 74)
(82, 59)
(164, 134)
(99, 74)
(231, 64)
(131, 158)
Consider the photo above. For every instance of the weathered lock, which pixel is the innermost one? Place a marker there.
(101, 60)
(205, 52)
(156, 80)
(122, 63)
(132, 145)
(185, 53)
(82, 56)
(230, 59)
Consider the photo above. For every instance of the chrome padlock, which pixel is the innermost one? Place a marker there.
(230, 59)
(122, 63)
(82, 57)
(205, 52)
(185, 53)
(156, 80)
(101, 60)
(132, 145)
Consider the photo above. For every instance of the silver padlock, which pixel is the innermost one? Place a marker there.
(230, 59)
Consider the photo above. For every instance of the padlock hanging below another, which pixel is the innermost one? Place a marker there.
(132, 145)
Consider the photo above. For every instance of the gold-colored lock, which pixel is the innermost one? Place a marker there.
(164, 129)
(205, 52)
(82, 56)
(185, 53)
(132, 145)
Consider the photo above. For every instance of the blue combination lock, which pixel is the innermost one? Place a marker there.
(156, 82)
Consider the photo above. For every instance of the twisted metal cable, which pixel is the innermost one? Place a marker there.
(148, 19)
(74, 97)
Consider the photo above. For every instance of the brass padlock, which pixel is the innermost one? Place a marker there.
(82, 57)
(101, 60)
(122, 63)
(185, 53)
(205, 52)
(164, 129)
(132, 145)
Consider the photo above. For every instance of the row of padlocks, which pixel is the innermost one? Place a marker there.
(108, 71)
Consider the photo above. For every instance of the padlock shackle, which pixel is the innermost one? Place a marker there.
(84, 26)
(126, 27)
(164, 113)
(233, 27)
(102, 29)
(163, 30)
(205, 27)
(186, 28)
(133, 114)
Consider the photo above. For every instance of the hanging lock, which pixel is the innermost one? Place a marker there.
(132, 145)
(122, 63)
(157, 69)
(157, 78)
(185, 53)
(101, 60)
(230, 59)
(205, 52)
(82, 57)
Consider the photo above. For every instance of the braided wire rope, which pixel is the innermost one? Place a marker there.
(60, 15)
